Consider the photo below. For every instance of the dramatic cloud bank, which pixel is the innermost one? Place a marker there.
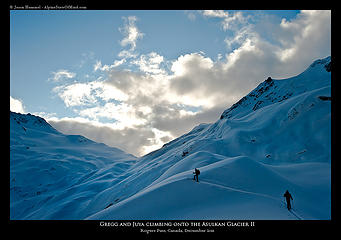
(138, 109)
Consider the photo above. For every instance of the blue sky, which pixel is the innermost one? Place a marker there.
(137, 72)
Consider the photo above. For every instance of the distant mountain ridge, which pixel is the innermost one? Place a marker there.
(50, 171)
(29, 119)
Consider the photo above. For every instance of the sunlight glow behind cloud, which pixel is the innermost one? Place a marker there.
(139, 101)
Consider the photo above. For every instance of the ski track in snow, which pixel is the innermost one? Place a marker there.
(253, 193)
(295, 214)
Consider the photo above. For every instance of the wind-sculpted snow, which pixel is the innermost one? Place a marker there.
(278, 137)
(233, 188)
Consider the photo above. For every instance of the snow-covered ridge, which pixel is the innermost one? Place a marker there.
(29, 120)
(272, 91)
(51, 173)
(325, 62)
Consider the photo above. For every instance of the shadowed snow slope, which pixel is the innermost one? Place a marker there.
(52, 175)
(278, 137)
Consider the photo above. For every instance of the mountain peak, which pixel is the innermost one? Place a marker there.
(28, 118)
(324, 62)
(271, 91)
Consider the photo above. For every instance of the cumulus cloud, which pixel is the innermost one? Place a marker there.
(307, 36)
(177, 123)
(210, 83)
(16, 105)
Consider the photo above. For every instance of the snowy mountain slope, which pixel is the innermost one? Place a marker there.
(283, 143)
(222, 193)
(271, 91)
(52, 173)
(278, 137)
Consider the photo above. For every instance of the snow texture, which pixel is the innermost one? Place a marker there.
(276, 138)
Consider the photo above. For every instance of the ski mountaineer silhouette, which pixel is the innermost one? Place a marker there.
(288, 196)
(196, 174)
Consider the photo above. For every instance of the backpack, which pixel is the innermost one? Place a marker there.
(198, 171)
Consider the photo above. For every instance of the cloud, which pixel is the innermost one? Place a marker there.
(98, 65)
(310, 31)
(165, 122)
(88, 93)
(136, 141)
(165, 98)
(215, 13)
(230, 21)
(200, 81)
(127, 54)
(190, 14)
(150, 63)
(16, 105)
(177, 122)
(76, 94)
(295, 43)
(240, 36)
(131, 32)
(61, 75)
(130, 101)
(45, 115)
(136, 85)
(122, 114)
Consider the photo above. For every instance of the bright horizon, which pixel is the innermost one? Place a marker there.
(138, 79)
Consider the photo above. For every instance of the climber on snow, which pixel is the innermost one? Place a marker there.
(196, 174)
(288, 196)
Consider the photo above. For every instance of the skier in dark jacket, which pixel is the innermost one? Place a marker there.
(288, 196)
(196, 174)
